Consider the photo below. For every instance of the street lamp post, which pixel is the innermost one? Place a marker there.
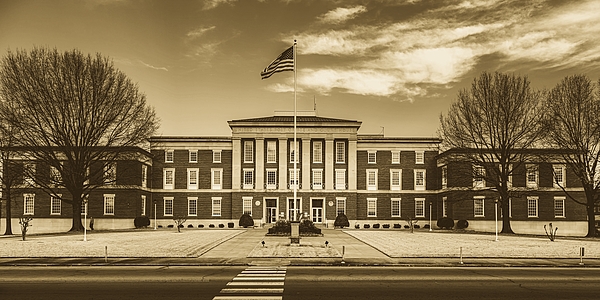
(154, 214)
(85, 220)
(496, 216)
(430, 205)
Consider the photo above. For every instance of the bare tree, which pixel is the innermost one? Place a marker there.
(493, 123)
(72, 111)
(572, 122)
(10, 174)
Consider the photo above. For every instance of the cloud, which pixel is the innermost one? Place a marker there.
(341, 14)
(210, 4)
(153, 67)
(198, 32)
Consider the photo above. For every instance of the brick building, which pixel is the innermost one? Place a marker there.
(373, 179)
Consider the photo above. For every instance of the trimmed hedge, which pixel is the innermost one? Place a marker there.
(341, 221)
(246, 221)
(445, 223)
(141, 221)
(462, 224)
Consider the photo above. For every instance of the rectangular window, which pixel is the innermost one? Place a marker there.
(371, 180)
(293, 151)
(169, 178)
(478, 206)
(271, 179)
(110, 173)
(248, 178)
(371, 207)
(340, 152)
(216, 154)
(559, 176)
(55, 206)
(28, 204)
(340, 179)
(532, 176)
(419, 207)
(248, 151)
(444, 177)
(216, 206)
(559, 207)
(144, 176)
(317, 152)
(396, 207)
(395, 157)
(317, 175)
(395, 180)
(247, 205)
(109, 204)
(55, 177)
(294, 179)
(169, 154)
(532, 207)
(478, 176)
(372, 157)
(419, 157)
(271, 152)
(193, 156)
(340, 205)
(143, 213)
(192, 206)
(444, 206)
(216, 179)
(419, 180)
(192, 178)
(168, 209)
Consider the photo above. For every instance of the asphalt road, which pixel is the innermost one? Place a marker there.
(300, 282)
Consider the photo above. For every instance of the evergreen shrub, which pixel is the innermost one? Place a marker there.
(246, 221)
(141, 221)
(341, 221)
(462, 224)
(445, 223)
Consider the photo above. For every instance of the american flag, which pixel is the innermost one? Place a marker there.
(284, 62)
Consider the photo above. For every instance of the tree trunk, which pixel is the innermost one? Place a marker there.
(76, 226)
(591, 216)
(506, 216)
(8, 230)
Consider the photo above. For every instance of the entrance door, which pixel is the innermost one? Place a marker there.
(271, 207)
(317, 210)
(293, 209)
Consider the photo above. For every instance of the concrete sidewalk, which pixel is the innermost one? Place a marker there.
(234, 250)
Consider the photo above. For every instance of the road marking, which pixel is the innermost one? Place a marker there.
(254, 283)
(253, 290)
(260, 274)
(256, 278)
(242, 283)
(248, 298)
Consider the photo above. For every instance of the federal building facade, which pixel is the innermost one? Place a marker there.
(372, 179)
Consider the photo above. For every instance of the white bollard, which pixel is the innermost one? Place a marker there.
(461, 258)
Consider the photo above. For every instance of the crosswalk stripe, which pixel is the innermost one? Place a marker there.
(258, 278)
(254, 283)
(260, 275)
(263, 272)
(248, 298)
(246, 283)
(252, 290)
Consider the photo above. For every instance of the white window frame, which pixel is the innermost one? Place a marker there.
(530, 209)
(338, 175)
(144, 176)
(419, 207)
(372, 174)
(110, 173)
(248, 151)
(291, 178)
(371, 207)
(340, 205)
(193, 156)
(420, 187)
(271, 185)
(394, 213)
(247, 205)
(478, 176)
(271, 152)
(561, 183)
(166, 184)
(532, 170)
(444, 176)
(371, 157)
(395, 187)
(395, 157)
(559, 208)
(479, 206)
(29, 204)
(317, 179)
(191, 185)
(55, 177)
(192, 209)
(109, 204)
(444, 206)
(217, 156)
(55, 203)
(169, 156)
(294, 150)
(419, 157)
(247, 178)
(317, 152)
(216, 182)
(29, 172)
(216, 206)
(143, 212)
(168, 206)
(340, 152)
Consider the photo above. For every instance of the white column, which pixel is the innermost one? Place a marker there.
(259, 166)
(352, 165)
(283, 159)
(236, 164)
(306, 174)
(329, 161)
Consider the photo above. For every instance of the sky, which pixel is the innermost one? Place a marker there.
(395, 65)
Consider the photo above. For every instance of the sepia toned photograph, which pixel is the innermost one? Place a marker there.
(299, 149)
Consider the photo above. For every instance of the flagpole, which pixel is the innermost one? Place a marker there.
(296, 179)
